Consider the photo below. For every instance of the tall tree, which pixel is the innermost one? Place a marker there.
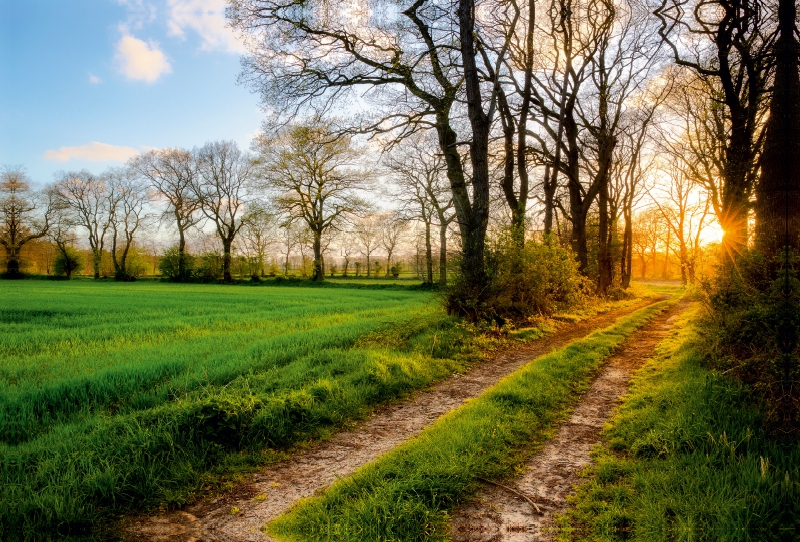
(418, 171)
(778, 191)
(88, 197)
(226, 176)
(727, 43)
(315, 178)
(400, 59)
(173, 173)
(128, 199)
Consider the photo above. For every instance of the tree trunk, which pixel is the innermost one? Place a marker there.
(226, 261)
(97, 256)
(778, 192)
(318, 274)
(428, 254)
(443, 254)
(181, 254)
(626, 269)
(604, 261)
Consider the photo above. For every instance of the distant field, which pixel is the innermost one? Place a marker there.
(112, 394)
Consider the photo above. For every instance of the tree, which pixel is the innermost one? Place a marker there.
(128, 198)
(226, 176)
(25, 216)
(685, 215)
(413, 65)
(87, 196)
(173, 173)
(726, 43)
(67, 262)
(367, 230)
(314, 177)
(778, 190)
(392, 229)
(258, 233)
(418, 171)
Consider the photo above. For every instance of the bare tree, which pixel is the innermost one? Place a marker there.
(87, 196)
(315, 178)
(25, 216)
(392, 229)
(727, 44)
(367, 230)
(418, 171)
(173, 173)
(259, 233)
(226, 175)
(128, 198)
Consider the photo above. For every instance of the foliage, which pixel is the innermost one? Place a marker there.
(169, 265)
(687, 459)
(751, 330)
(405, 495)
(67, 262)
(523, 282)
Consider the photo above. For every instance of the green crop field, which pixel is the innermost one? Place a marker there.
(121, 395)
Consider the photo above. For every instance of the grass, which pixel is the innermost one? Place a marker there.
(686, 460)
(122, 397)
(406, 494)
(115, 396)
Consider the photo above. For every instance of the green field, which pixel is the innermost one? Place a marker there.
(121, 395)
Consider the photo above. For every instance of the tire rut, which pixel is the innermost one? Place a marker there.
(523, 509)
(269, 493)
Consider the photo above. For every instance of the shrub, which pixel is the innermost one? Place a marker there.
(169, 265)
(522, 282)
(395, 270)
(751, 331)
(67, 262)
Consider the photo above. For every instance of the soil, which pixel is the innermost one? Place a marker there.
(523, 510)
(264, 496)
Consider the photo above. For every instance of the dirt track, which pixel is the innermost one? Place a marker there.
(267, 494)
(508, 514)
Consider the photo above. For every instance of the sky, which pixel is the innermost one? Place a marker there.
(90, 83)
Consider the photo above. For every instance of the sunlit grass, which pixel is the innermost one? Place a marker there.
(687, 459)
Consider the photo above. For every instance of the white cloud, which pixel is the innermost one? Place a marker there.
(94, 151)
(93, 79)
(140, 60)
(207, 18)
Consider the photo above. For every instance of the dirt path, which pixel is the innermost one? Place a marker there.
(499, 514)
(266, 495)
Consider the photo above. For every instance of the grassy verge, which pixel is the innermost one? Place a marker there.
(685, 460)
(407, 493)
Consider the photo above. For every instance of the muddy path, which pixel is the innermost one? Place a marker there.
(523, 510)
(264, 496)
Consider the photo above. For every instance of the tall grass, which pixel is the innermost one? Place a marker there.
(687, 459)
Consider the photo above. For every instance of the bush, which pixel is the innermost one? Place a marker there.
(395, 270)
(537, 279)
(752, 329)
(67, 262)
(169, 265)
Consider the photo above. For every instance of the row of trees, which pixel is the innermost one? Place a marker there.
(301, 188)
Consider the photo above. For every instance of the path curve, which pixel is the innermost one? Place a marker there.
(507, 514)
(266, 495)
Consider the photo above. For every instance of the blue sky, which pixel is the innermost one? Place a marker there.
(87, 83)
